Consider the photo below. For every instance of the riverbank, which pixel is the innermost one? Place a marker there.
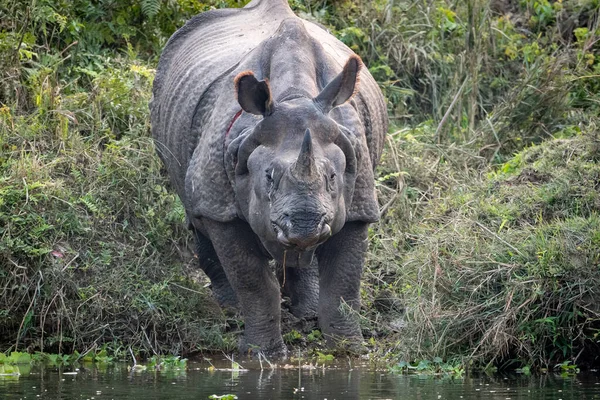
(487, 251)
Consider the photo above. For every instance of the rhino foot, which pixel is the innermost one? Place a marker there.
(347, 345)
(274, 351)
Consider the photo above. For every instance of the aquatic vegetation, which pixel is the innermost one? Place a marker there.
(56, 360)
(292, 336)
(15, 358)
(314, 336)
(435, 366)
(566, 368)
(323, 358)
(9, 371)
(167, 362)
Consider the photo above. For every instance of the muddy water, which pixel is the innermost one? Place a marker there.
(359, 382)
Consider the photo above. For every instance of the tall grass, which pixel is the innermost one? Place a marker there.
(93, 251)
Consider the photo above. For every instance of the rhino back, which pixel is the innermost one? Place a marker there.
(194, 102)
(194, 58)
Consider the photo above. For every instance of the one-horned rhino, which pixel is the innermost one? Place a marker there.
(270, 129)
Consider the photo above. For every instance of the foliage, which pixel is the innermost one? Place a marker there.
(487, 250)
(494, 75)
(292, 336)
(15, 358)
(505, 266)
(92, 243)
(323, 358)
(160, 363)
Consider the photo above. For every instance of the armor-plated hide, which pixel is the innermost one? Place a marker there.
(270, 129)
(194, 102)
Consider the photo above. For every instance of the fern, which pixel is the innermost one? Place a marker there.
(150, 8)
(89, 202)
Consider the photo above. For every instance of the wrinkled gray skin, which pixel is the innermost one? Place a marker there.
(270, 129)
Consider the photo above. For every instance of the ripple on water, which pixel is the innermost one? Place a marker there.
(198, 382)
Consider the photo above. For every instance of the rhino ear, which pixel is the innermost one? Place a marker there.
(253, 95)
(342, 87)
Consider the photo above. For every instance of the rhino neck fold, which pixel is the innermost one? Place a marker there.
(292, 66)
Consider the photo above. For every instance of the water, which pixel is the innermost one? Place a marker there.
(362, 382)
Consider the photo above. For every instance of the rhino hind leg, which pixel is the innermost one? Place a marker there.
(301, 285)
(210, 264)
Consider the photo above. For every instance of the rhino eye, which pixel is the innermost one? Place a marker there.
(269, 176)
(331, 181)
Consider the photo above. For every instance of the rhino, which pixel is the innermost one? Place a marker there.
(270, 130)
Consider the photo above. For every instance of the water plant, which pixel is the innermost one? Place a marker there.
(166, 363)
(436, 366)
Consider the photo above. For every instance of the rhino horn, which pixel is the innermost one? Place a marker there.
(305, 166)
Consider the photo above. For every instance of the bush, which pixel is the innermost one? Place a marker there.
(93, 245)
(506, 266)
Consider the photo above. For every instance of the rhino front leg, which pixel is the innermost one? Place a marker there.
(341, 261)
(254, 284)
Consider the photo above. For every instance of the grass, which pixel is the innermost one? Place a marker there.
(93, 243)
(501, 267)
(487, 250)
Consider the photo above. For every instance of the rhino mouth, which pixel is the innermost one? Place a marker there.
(302, 232)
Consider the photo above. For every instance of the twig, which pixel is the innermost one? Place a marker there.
(132, 356)
(70, 262)
(448, 111)
(23, 31)
(184, 288)
(283, 267)
(26, 192)
(94, 346)
(261, 356)
(499, 238)
(148, 340)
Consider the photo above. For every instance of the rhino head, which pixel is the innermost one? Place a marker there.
(295, 169)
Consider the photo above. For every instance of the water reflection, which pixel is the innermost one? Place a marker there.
(198, 382)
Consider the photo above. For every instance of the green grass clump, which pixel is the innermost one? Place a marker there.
(92, 242)
(506, 267)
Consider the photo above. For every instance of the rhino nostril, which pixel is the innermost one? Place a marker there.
(282, 238)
